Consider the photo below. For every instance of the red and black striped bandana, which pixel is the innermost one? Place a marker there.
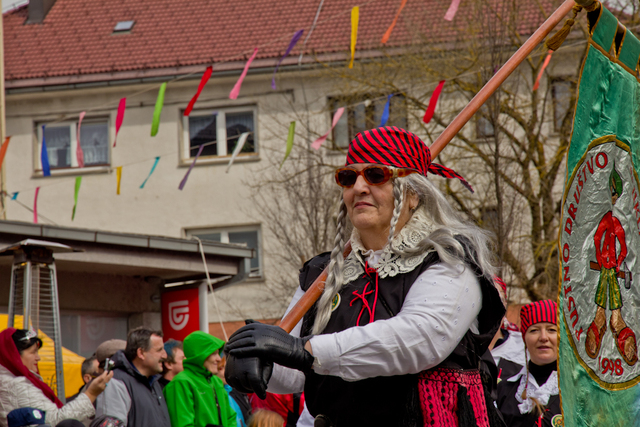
(392, 146)
(536, 312)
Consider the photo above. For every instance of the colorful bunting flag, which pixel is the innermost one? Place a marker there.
(186, 176)
(75, 197)
(431, 108)
(238, 148)
(385, 113)
(119, 178)
(203, 82)
(318, 142)
(355, 16)
(453, 8)
(292, 43)
(44, 156)
(158, 110)
(15, 196)
(292, 132)
(536, 85)
(79, 152)
(387, 34)
(35, 206)
(152, 169)
(120, 117)
(313, 27)
(3, 150)
(236, 89)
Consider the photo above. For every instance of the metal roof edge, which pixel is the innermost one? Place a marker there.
(123, 239)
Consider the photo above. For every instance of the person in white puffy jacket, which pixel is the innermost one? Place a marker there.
(21, 386)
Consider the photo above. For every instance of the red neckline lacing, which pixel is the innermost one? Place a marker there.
(363, 296)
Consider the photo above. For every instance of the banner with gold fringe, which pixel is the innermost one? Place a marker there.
(599, 240)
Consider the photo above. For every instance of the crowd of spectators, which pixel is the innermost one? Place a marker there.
(140, 382)
(145, 381)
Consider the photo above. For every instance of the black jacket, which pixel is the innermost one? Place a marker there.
(129, 388)
(508, 406)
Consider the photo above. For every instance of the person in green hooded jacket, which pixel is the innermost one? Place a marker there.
(196, 396)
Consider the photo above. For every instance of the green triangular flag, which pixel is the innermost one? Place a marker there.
(292, 132)
(75, 197)
(156, 113)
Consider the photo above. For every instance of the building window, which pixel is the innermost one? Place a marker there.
(491, 219)
(484, 126)
(218, 131)
(562, 93)
(61, 140)
(364, 112)
(83, 333)
(249, 236)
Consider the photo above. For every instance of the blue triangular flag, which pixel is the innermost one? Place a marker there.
(385, 112)
(44, 157)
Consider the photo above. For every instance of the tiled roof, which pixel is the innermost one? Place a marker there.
(77, 39)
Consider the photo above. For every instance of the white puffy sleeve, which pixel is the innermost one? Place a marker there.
(441, 306)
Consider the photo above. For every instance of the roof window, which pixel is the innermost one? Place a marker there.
(123, 26)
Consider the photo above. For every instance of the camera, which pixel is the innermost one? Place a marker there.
(108, 364)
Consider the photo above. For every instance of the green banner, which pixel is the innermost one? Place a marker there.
(599, 241)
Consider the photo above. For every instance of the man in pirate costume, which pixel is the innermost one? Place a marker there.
(609, 230)
(398, 334)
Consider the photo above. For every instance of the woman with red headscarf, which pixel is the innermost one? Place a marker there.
(398, 334)
(532, 397)
(22, 387)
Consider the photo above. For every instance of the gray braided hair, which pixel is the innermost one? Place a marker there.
(335, 280)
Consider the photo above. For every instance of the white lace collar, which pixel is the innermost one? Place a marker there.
(388, 264)
(541, 393)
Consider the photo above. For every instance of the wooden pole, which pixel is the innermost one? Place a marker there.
(311, 296)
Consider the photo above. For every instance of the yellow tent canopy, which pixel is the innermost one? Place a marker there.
(71, 362)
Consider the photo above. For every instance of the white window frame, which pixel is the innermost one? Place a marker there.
(221, 135)
(74, 168)
(224, 238)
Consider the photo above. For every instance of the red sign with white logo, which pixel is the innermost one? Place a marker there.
(180, 313)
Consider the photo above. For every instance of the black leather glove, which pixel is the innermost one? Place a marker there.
(270, 343)
(248, 375)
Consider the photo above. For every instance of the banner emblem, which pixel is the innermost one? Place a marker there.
(600, 268)
(178, 314)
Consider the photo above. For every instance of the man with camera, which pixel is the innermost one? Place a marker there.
(134, 397)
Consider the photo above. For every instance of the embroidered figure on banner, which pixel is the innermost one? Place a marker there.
(600, 245)
(611, 268)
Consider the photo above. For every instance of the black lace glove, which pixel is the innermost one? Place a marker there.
(248, 375)
(270, 343)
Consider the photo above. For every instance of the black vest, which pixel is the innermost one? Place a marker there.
(389, 401)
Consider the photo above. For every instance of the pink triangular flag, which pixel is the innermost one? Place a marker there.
(318, 142)
(453, 8)
(236, 89)
(79, 152)
(120, 117)
(35, 206)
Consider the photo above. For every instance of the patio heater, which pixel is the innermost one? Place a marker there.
(34, 296)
